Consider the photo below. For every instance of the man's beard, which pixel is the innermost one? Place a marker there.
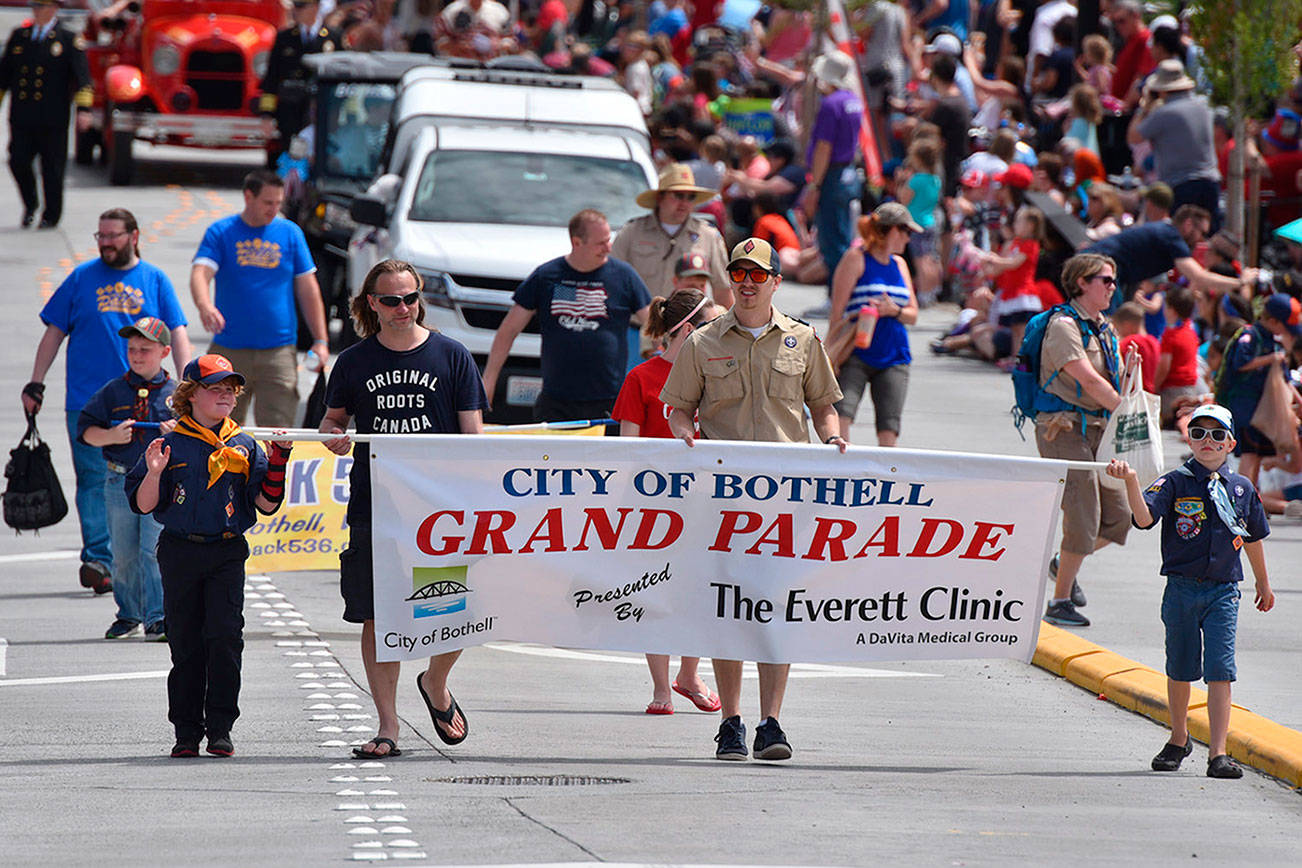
(115, 257)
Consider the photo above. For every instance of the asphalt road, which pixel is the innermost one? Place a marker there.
(938, 763)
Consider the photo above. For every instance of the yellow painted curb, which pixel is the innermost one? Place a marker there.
(1257, 741)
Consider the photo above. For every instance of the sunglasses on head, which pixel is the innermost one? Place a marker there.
(756, 275)
(409, 299)
(1218, 435)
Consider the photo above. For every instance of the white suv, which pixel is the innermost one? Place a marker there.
(482, 172)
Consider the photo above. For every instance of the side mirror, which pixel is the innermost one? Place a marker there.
(369, 210)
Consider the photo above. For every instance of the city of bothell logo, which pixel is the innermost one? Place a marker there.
(437, 591)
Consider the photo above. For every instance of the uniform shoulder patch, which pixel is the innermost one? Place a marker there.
(1157, 483)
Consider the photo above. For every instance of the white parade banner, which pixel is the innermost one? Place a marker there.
(751, 551)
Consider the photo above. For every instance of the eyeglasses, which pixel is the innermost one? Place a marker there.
(1107, 280)
(409, 299)
(756, 275)
(108, 236)
(1218, 435)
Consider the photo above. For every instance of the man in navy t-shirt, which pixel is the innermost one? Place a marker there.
(401, 379)
(1150, 250)
(89, 308)
(584, 302)
(262, 265)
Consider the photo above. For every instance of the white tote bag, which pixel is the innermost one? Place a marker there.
(1133, 434)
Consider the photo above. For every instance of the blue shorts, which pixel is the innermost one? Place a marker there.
(1201, 619)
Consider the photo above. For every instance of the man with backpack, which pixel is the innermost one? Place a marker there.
(1067, 381)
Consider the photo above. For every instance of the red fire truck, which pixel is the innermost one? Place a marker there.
(176, 72)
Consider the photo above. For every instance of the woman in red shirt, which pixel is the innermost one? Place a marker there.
(641, 413)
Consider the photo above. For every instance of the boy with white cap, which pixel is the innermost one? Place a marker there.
(1209, 514)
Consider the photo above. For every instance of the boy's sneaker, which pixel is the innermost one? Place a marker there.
(220, 745)
(1077, 595)
(185, 749)
(1064, 614)
(1223, 767)
(1170, 756)
(156, 632)
(122, 629)
(731, 739)
(771, 742)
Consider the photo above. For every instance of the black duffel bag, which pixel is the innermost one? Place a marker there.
(33, 498)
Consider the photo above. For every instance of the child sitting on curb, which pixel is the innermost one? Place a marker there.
(1208, 514)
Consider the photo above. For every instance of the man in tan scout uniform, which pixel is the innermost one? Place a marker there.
(750, 374)
(655, 242)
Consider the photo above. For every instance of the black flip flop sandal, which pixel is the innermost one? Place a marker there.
(444, 716)
(362, 753)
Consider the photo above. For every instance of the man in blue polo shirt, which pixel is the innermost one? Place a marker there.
(89, 308)
(262, 265)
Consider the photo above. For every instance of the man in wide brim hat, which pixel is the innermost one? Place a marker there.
(654, 242)
(675, 178)
(1167, 77)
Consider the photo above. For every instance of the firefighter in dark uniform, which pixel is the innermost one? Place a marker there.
(44, 71)
(285, 96)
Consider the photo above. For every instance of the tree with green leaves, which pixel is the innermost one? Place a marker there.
(1248, 46)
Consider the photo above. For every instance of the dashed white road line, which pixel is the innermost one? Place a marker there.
(31, 557)
(339, 717)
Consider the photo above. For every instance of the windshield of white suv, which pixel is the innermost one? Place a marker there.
(525, 189)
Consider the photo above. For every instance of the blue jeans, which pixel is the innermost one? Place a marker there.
(91, 472)
(832, 218)
(1201, 619)
(137, 585)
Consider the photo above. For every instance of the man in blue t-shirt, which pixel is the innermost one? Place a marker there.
(89, 308)
(1150, 250)
(262, 265)
(584, 301)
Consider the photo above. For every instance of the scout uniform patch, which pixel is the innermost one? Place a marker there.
(1190, 514)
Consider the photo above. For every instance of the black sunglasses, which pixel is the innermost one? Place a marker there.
(409, 299)
(1107, 281)
(1218, 435)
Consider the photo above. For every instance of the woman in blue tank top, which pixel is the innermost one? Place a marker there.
(876, 276)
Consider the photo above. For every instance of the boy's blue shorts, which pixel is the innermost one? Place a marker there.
(1201, 618)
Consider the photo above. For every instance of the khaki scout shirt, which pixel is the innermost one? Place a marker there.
(1063, 344)
(749, 388)
(653, 253)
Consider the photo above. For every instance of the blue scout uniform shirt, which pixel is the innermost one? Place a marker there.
(116, 401)
(186, 505)
(1196, 544)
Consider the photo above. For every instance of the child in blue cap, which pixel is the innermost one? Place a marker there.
(1208, 514)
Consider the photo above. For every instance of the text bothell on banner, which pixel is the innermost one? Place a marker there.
(649, 546)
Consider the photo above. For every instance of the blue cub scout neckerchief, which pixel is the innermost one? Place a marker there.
(1221, 500)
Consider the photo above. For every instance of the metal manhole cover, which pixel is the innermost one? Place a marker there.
(531, 780)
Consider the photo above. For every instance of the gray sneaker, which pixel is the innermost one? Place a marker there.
(1064, 614)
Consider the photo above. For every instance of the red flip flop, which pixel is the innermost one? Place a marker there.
(708, 701)
(654, 707)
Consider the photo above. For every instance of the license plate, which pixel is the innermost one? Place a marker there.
(523, 391)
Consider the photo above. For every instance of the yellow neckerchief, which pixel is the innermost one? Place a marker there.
(223, 458)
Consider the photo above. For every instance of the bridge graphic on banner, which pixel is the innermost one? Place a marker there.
(438, 590)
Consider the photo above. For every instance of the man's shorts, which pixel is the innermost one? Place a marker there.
(1201, 619)
(356, 578)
